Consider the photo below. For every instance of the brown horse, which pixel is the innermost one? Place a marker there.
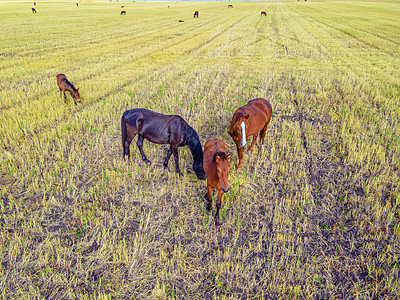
(77, 4)
(230, 6)
(34, 10)
(123, 12)
(65, 85)
(263, 13)
(122, 6)
(216, 165)
(251, 119)
(196, 14)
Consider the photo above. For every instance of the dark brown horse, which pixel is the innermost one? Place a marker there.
(122, 6)
(34, 3)
(251, 119)
(216, 165)
(263, 13)
(230, 6)
(180, 21)
(123, 12)
(161, 129)
(34, 10)
(64, 85)
(196, 14)
(77, 4)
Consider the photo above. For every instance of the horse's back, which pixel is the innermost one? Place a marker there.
(259, 111)
(156, 127)
(211, 147)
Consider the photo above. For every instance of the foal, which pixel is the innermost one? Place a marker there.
(216, 165)
(65, 85)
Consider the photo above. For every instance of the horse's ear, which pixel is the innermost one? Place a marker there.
(228, 157)
(217, 158)
(246, 116)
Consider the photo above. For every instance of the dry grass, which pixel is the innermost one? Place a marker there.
(313, 215)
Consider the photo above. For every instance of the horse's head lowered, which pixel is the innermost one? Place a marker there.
(194, 145)
(76, 95)
(238, 129)
(222, 162)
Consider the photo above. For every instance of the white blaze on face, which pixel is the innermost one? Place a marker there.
(243, 143)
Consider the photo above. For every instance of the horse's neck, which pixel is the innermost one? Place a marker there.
(193, 142)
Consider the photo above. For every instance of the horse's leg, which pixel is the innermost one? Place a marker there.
(218, 204)
(253, 142)
(126, 142)
(140, 146)
(60, 92)
(174, 149)
(209, 197)
(166, 160)
(262, 133)
(65, 97)
(240, 156)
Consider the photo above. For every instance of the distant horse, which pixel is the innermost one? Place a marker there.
(216, 165)
(230, 6)
(65, 85)
(34, 3)
(77, 4)
(263, 13)
(251, 119)
(196, 14)
(123, 12)
(161, 129)
(122, 6)
(181, 21)
(34, 10)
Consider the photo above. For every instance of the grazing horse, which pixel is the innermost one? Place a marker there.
(34, 10)
(161, 129)
(216, 165)
(122, 6)
(65, 85)
(196, 14)
(230, 6)
(123, 12)
(251, 119)
(263, 13)
(180, 21)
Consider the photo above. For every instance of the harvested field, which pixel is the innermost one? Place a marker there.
(314, 214)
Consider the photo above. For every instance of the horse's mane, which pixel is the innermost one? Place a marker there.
(69, 83)
(221, 154)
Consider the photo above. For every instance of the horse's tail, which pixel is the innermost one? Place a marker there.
(124, 134)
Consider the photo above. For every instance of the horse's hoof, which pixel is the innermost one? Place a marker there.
(166, 168)
(217, 223)
(148, 162)
(209, 206)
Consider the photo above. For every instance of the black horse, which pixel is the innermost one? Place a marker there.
(161, 129)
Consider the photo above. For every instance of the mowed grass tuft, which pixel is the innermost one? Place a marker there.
(314, 214)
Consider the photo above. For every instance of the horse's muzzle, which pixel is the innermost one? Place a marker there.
(243, 144)
(225, 190)
(201, 176)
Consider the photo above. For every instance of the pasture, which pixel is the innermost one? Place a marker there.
(312, 215)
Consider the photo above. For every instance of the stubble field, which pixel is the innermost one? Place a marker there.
(314, 214)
